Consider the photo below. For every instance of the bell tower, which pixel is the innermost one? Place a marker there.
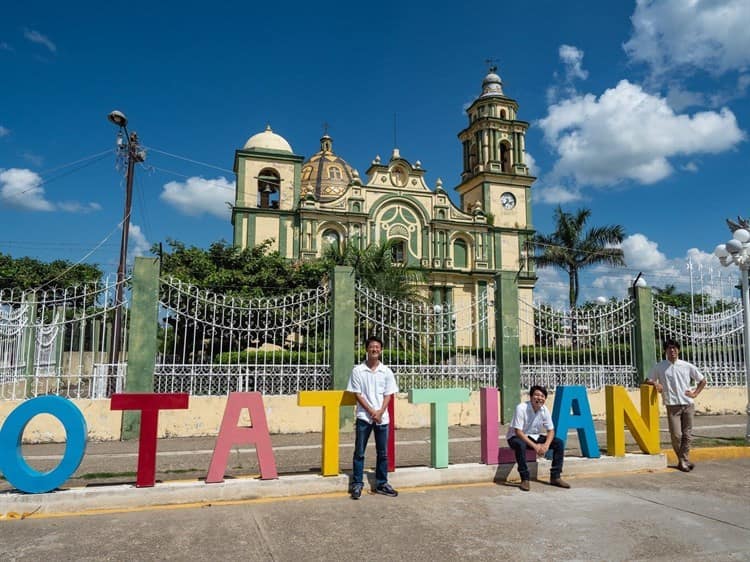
(495, 176)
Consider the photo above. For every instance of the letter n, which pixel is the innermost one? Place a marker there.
(621, 412)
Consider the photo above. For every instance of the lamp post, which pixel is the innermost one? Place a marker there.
(737, 251)
(128, 147)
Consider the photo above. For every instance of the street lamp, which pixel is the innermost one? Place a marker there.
(737, 251)
(128, 147)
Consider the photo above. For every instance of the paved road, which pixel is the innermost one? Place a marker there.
(666, 515)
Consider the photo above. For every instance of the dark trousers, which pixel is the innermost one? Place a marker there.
(519, 446)
(363, 430)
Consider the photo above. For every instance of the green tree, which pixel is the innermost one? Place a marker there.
(249, 272)
(699, 303)
(30, 273)
(376, 268)
(571, 247)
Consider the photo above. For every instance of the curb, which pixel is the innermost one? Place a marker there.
(127, 497)
(711, 454)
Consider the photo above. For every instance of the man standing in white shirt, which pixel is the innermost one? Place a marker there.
(673, 378)
(374, 386)
(525, 433)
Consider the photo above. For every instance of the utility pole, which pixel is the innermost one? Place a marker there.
(128, 145)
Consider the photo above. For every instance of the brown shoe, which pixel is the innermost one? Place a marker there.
(559, 482)
(525, 486)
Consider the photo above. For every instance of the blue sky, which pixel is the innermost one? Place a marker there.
(638, 111)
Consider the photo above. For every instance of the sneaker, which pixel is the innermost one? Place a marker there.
(356, 491)
(683, 467)
(690, 465)
(387, 490)
(525, 486)
(559, 482)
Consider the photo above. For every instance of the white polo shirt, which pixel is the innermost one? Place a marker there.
(675, 379)
(374, 386)
(529, 421)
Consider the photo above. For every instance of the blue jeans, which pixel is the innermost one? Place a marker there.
(363, 430)
(558, 453)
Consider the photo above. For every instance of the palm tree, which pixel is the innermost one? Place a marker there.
(376, 268)
(572, 249)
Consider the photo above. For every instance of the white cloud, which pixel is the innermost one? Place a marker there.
(76, 207)
(36, 37)
(556, 194)
(5, 47)
(4, 131)
(34, 159)
(572, 57)
(530, 162)
(138, 245)
(708, 35)
(197, 196)
(690, 167)
(22, 189)
(641, 253)
(628, 133)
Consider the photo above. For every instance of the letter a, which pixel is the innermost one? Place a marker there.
(575, 399)
(230, 434)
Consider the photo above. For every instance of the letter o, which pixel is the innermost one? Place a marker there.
(15, 468)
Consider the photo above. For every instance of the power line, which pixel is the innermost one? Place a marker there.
(180, 175)
(188, 159)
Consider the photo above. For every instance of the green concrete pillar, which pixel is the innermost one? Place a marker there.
(507, 347)
(342, 334)
(142, 335)
(645, 353)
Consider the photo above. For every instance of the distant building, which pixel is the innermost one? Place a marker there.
(305, 204)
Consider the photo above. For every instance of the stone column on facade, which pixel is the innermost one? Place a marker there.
(645, 352)
(342, 334)
(142, 337)
(507, 346)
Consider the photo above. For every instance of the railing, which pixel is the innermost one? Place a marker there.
(56, 341)
(429, 345)
(713, 342)
(592, 347)
(215, 344)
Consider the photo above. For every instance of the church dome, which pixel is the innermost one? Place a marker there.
(324, 174)
(268, 140)
(492, 85)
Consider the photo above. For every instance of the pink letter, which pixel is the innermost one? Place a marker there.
(231, 434)
(488, 418)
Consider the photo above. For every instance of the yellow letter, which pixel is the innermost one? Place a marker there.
(331, 401)
(621, 412)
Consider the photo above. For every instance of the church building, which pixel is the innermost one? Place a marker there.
(305, 204)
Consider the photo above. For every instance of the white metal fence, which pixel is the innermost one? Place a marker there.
(57, 341)
(428, 345)
(713, 342)
(214, 344)
(592, 347)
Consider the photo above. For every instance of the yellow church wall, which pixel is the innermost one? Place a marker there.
(267, 227)
(509, 249)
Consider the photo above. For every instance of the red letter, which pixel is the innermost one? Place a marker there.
(230, 434)
(149, 404)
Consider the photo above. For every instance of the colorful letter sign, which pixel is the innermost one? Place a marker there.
(12, 463)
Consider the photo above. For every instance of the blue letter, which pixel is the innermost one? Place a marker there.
(14, 466)
(574, 398)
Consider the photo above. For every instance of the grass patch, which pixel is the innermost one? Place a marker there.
(720, 442)
(100, 475)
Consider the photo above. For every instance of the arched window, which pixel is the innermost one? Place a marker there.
(269, 186)
(502, 114)
(334, 173)
(505, 157)
(460, 254)
(399, 251)
(331, 238)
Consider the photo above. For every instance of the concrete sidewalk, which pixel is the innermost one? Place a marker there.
(105, 479)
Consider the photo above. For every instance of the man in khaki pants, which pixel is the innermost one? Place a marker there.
(673, 378)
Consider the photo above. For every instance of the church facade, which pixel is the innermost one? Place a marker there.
(305, 204)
